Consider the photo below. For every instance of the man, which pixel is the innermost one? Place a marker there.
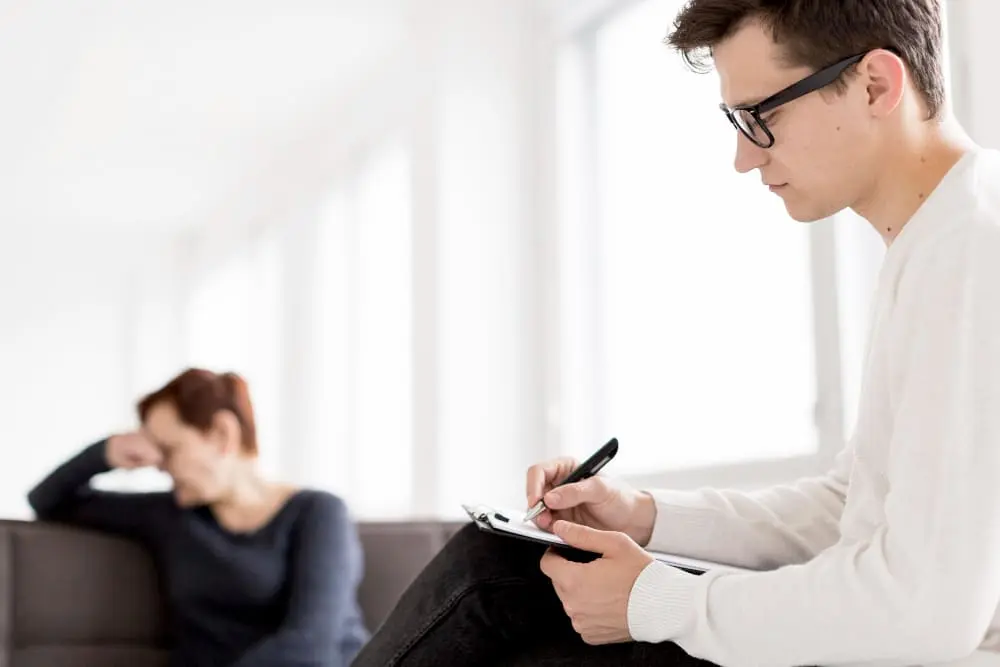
(893, 558)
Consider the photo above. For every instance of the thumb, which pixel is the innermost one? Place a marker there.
(591, 490)
(585, 537)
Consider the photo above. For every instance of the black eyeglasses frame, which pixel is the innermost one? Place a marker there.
(809, 84)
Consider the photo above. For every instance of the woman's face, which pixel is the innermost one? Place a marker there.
(201, 464)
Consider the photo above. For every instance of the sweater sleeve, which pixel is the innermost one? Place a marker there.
(922, 584)
(324, 575)
(65, 495)
(758, 530)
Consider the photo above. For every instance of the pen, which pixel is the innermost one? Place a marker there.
(585, 470)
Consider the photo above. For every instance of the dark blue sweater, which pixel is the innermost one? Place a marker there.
(282, 596)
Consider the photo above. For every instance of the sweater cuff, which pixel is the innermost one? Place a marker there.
(683, 522)
(661, 603)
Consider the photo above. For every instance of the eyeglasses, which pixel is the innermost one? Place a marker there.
(747, 117)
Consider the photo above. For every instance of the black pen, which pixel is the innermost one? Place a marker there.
(585, 470)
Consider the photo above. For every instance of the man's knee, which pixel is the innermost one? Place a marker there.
(469, 534)
(487, 554)
(471, 545)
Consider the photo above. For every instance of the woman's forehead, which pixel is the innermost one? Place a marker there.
(162, 423)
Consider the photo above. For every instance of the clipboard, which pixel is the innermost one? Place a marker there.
(510, 523)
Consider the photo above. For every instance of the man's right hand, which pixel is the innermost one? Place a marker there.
(597, 502)
(132, 450)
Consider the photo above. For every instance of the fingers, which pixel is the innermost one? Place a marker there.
(554, 566)
(150, 453)
(155, 457)
(142, 458)
(592, 490)
(587, 538)
(142, 452)
(544, 520)
(543, 476)
(548, 564)
(564, 574)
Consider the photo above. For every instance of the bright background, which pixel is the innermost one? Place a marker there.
(443, 239)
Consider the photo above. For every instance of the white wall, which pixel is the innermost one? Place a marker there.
(470, 77)
(65, 376)
(88, 323)
(975, 53)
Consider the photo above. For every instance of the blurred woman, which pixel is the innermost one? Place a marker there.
(256, 572)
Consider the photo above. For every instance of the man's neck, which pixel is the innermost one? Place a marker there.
(909, 175)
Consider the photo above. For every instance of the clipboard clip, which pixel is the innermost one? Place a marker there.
(478, 513)
(484, 514)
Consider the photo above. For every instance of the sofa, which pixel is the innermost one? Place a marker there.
(74, 598)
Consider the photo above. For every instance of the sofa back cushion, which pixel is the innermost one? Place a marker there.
(72, 596)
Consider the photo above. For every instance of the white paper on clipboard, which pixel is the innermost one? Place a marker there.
(512, 522)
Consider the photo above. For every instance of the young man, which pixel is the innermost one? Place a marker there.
(893, 558)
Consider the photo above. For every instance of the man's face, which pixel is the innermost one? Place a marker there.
(821, 159)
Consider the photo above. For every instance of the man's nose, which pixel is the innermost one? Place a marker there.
(749, 156)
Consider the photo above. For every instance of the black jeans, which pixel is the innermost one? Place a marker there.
(484, 601)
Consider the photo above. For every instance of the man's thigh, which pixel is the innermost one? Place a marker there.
(578, 654)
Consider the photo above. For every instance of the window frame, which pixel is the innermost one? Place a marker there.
(577, 28)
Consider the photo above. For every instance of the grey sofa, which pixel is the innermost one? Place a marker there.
(74, 598)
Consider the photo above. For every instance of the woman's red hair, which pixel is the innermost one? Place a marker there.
(198, 395)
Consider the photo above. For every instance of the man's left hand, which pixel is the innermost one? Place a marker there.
(595, 595)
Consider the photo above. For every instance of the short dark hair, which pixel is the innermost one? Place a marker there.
(817, 33)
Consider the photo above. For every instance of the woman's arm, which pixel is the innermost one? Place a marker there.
(65, 496)
(327, 563)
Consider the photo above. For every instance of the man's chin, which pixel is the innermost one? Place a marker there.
(804, 219)
(804, 211)
(803, 215)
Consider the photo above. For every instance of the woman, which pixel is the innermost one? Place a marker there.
(256, 573)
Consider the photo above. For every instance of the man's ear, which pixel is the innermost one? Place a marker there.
(226, 432)
(886, 78)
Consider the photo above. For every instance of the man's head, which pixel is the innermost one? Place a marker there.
(877, 80)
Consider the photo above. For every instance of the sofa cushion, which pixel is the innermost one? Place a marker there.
(71, 597)
(395, 553)
(79, 587)
(6, 583)
(89, 656)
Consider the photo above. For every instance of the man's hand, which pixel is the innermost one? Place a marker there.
(598, 502)
(595, 595)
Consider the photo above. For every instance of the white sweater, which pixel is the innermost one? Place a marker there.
(893, 558)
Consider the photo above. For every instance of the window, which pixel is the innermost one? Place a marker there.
(364, 420)
(331, 440)
(383, 375)
(487, 368)
(233, 324)
(688, 313)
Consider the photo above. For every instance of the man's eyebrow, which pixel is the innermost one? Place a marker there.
(749, 103)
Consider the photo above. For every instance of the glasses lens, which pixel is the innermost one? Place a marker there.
(748, 124)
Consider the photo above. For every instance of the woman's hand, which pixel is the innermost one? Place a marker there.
(132, 450)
